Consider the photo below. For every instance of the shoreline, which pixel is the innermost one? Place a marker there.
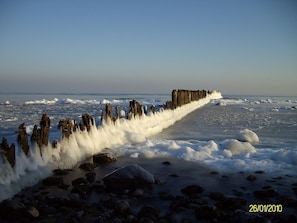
(223, 197)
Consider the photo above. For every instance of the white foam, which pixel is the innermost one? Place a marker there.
(114, 101)
(43, 101)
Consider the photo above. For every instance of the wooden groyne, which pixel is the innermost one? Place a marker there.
(40, 134)
(181, 97)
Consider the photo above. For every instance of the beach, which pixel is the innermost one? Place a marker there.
(184, 191)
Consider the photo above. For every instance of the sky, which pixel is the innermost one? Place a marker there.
(148, 46)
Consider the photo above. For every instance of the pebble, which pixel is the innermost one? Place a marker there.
(192, 189)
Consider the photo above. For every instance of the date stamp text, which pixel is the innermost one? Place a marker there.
(265, 208)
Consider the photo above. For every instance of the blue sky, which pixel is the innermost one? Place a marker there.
(148, 46)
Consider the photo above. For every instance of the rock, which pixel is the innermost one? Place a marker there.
(122, 207)
(73, 196)
(231, 203)
(87, 166)
(102, 158)
(11, 209)
(192, 189)
(128, 177)
(173, 175)
(79, 181)
(166, 163)
(53, 181)
(179, 204)
(259, 172)
(295, 190)
(266, 193)
(91, 176)
(138, 192)
(216, 196)
(148, 212)
(207, 212)
(81, 189)
(288, 202)
(60, 172)
(251, 178)
(32, 212)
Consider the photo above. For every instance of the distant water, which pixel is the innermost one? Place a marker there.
(210, 132)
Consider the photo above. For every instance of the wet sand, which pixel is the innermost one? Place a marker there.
(221, 197)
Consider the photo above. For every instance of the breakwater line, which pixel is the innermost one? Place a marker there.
(80, 141)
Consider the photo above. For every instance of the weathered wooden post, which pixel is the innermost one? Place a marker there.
(87, 121)
(45, 123)
(174, 98)
(23, 138)
(108, 111)
(152, 109)
(66, 127)
(9, 151)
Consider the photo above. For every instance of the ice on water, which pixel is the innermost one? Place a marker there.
(230, 134)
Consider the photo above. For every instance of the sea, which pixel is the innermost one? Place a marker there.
(226, 133)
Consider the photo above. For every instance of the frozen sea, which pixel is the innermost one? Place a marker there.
(225, 133)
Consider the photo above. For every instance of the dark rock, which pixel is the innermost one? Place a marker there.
(277, 178)
(179, 204)
(128, 177)
(166, 196)
(60, 172)
(288, 202)
(195, 202)
(216, 196)
(81, 189)
(251, 178)
(47, 210)
(91, 176)
(87, 166)
(98, 188)
(206, 212)
(259, 172)
(73, 196)
(138, 192)
(79, 181)
(12, 209)
(295, 190)
(192, 189)
(266, 193)
(102, 158)
(53, 181)
(122, 207)
(166, 163)
(148, 212)
(173, 175)
(231, 203)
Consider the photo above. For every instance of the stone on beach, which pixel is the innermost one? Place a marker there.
(103, 158)
(128, 177)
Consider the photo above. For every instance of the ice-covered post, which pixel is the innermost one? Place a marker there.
(23, 138)
(9, 151)
(174, 98)
(66, 126)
